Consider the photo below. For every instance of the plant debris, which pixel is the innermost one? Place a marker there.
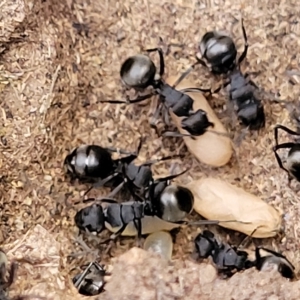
(58, 60)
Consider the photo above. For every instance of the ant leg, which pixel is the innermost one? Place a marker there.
(188, 71)
(170, 177)
(129, 101)
(153, 125)
(101, 183)
(115, 190)
(168, 46)
(166, 116)
(244, 54)
(246, 239)
(117, 150)
(224, 85)
(118, 233)
(177, 134)
(284, 128)
(138, 226)
(276, 129)
(246, 75)
(154, 118)
(113, 237)
(105, 180)
(3, 265)
(240, 137)
(272, 97)
(183, 75)
(213, 222)
(219, 133)
(134, 194)
(201, 61)
(85, 201)
(82, 276)
(161, 59)
(128, 159)
(281, 146)
(154, 161)
(102, 200)
(197, 90)
(99, 200)
(138, 149)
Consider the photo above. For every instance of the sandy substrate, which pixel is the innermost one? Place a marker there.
(58, 59)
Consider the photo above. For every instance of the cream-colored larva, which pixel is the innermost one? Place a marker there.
(210, 148)
(215, 199)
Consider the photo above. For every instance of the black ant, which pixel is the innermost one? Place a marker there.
(293, 158)
(139, 72)
(220, 56)
(94, 163)
(228, 259)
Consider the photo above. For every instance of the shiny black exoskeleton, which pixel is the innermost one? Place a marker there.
(94, 163)
(139, 72)
(91, 281)
(93, 218)
(89, 161)
(249, 109)
(227, 259)
(293, 158)
(205, 243)
(170, 203)
(219, 54)
(117, 216)
(140, 181)
(266, 258)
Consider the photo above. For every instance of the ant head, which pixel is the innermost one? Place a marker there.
(219, 51)
(90, 218)
(205, 243)
(138, 71)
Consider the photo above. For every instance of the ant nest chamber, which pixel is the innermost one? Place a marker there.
(61, 64)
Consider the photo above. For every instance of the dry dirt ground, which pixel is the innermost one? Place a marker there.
(58, 59)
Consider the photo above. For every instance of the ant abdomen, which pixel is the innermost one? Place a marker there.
(138, 71)
(219, 51)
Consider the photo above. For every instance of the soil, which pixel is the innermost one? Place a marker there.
(58, 60)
